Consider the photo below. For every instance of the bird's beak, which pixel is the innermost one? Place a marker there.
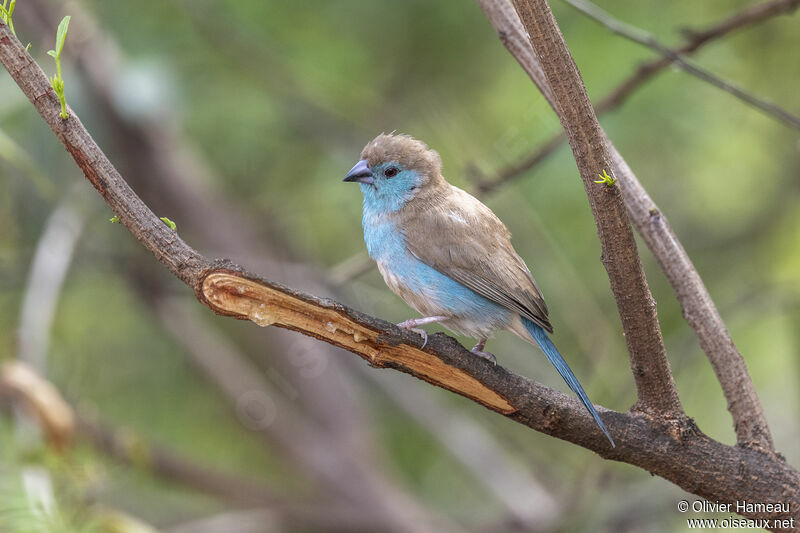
(360, 173)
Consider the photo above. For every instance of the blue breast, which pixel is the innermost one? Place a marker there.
(386, 244)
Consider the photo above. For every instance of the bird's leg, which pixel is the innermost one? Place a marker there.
(478, 350)
(412, 323)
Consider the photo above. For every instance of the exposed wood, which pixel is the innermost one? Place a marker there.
(229, 293)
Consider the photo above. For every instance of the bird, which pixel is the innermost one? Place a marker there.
(447, 255)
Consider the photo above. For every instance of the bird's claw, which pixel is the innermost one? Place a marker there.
(486, 355)
(412, 323)
(418, 331)
(424, 336)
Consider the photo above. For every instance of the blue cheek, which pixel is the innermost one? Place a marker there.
(389, 194)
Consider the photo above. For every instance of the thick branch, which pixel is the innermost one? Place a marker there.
(698, 307)
(674, 449)
(637, 309)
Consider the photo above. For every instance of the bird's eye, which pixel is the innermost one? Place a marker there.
(390, 172)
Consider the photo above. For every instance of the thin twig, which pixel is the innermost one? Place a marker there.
(748, 16)
(644, 38)
(515, 170)
(614, 99)
(674, 449)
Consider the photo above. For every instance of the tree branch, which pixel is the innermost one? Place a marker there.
(748, 16)
(699, 310)
(698, 307)
(643, 38)
(697, 39)
(58, 420)
(637, 309)
(516, 170)
(131, 449)
(674, 449)
(469, 441)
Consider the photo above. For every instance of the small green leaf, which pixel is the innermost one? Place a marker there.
(11, 8)
(61, 36)
(52, 53)
(114, 219)
(28, 47)
(169, 223)
(605, 178)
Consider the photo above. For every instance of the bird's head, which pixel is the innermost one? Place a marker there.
(394, 169)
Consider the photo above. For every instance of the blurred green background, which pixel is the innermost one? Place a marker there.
(260, 107)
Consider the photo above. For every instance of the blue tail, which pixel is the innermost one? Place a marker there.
(549, 349)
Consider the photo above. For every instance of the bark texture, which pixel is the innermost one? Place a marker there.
(699, 309)
(637, 309)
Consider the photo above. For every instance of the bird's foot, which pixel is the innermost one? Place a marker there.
(478, 350)
(486, 355)
(421, 332)
(412, 323)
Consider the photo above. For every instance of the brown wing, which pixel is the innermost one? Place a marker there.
(461, 238)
